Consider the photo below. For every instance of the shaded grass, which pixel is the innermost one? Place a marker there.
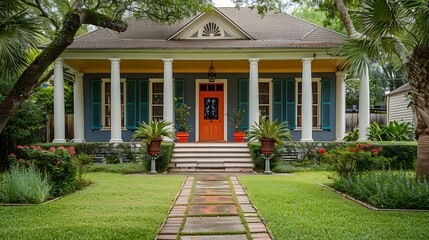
(295, 207)
(124, 168)
(114, 207)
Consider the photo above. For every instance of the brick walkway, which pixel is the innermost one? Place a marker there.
(213, 207)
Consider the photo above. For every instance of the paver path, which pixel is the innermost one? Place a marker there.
(213, 207)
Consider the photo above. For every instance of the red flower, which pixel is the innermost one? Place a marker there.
(19, 147)
(61, 147)
(375, 150)
(43, 150)
(71, 148)
(322, 150)
(51, 149)
(73, 152)
(33, 147)
(25, 147)
(351, 149)
(12, 155)
(27, 163)
(20, 160)
(380, 149)
(360, 145)
(368, 145)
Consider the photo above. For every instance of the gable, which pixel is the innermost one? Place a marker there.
(210, 25)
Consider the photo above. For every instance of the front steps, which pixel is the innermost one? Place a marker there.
(211, 157)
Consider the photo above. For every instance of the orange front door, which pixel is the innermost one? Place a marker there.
(211, 112)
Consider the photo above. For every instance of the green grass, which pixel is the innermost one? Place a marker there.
(114, 207)
(296, 207)
(124, 168)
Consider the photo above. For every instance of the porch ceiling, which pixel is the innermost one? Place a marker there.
(200, 66)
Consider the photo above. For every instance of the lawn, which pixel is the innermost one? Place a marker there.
(296, 207)
(114, 207)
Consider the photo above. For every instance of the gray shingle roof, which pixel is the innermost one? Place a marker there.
(271, 31)
(404, 88)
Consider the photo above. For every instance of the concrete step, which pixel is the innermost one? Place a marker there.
(225, 160)
(210, 155)
(209, 145)
(210, 150)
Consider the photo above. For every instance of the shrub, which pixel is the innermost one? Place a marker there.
(123, 168)
(386, 190)
(55, 162)
(24, 185)
(352, 160)
(403, 155)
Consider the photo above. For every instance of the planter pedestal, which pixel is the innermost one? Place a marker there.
(152, 158)
(267, 158)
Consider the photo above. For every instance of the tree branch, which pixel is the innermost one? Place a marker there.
(46, 77)
(101, 20)
(345, 18)
(43, 13)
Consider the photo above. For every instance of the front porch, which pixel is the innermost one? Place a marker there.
(112, 98)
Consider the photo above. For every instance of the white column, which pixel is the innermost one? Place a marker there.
(168, 108)
(340, 103)
(78, 108)
(253, 91)
(59, 121)
(307, 101)
(116, 127)
(364, 103)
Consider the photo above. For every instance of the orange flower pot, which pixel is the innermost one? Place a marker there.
(239, 136)
(182, 137)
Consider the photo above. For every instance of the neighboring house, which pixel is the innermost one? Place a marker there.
(397, 105)
(261, 64)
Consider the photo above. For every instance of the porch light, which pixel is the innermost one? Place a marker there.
(211, 74)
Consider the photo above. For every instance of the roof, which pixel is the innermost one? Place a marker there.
(271, 31)
(404, 88)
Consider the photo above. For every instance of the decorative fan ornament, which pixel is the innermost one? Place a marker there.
(211, 29)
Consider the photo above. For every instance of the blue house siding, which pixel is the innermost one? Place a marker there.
(189, 78)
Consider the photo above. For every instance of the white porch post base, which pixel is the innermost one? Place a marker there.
(79, 140)
(307, 140)
(116, 140)
(59, 141)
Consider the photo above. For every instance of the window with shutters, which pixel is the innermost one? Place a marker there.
(106, 102)
(316, 98)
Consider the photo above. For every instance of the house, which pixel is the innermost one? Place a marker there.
(397, 105)
(276, 67)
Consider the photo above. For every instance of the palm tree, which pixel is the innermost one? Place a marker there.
(396, 30)
(18, 36)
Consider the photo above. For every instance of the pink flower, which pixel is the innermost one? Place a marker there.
(43, 150)
(61, 147)
(33, 147)
(25, 147)
(380, 149)
(375, 150)
(73, 152)
(51, 149)
(368, 145)
(322, 150)
(27, 163)
(71, 148)
(20, 160)
(12, 155)
(19, 147)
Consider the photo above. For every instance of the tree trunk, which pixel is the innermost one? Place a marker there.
(345, 18)
(418, 74)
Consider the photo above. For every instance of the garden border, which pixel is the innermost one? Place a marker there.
(368, 206)
(28, 204)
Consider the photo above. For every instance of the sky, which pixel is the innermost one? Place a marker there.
(223, 3)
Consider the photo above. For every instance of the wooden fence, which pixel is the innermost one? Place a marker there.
(69, 127)
(352, 120)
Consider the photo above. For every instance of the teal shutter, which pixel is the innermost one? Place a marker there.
(277, 100)
(131, 104)
(243, 101)
(179, 91)
(326, 116)
(143, 103)
(95, 104)
(290, 102)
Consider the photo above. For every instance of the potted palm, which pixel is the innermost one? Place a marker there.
(153, 134)
(182, 126)
(236, 120)
(269, 133)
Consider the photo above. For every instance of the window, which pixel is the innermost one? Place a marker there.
(157, 99)
(264, 98)
(315, 90)
(211, 30)
(107, 104)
